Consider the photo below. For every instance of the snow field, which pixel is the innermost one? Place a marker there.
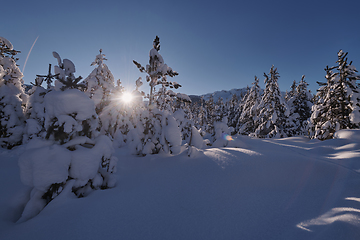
(288, 188)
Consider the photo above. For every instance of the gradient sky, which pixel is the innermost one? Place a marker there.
(214, 45)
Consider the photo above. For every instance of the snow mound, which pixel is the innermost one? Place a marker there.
(42, 165)
(69, 102)
(353, 134)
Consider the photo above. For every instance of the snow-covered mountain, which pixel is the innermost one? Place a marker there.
(224, 94)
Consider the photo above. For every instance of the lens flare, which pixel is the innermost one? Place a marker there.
(227, 137)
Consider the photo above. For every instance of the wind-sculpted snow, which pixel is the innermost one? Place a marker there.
(290, 188)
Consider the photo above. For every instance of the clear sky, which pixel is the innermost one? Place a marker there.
(214, 45)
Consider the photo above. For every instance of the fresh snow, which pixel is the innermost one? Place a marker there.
(289, 188)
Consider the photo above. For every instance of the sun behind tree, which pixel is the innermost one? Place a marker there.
(127, 97)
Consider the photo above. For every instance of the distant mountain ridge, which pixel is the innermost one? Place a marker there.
(224, 94)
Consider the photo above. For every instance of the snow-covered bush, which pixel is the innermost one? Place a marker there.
(73, 154)
(12, 97)
(222, 133)
(157, 131)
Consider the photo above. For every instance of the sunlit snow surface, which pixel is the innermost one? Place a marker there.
(291, 188)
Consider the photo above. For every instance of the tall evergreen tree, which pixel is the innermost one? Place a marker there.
(219, 111)
(232, 112)
(35, 111)
(12, 97)
(184, 116)
(299, 109)
(160, 130)
(99, 86)
(336, 103)
(100, 83)
(240, 109)
(157, 72)
(246, 123)
(210, 115)
(292, 91)
(270, 119)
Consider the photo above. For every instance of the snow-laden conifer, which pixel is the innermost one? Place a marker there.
(232, 112)
(99, 87)
(292, 91)
(272, 109)
(209, 107)
(219, 111)
(299, 104)
(336, 102)
(12, 97)
(35, 111)
(100, 83)
(184, 116)
(72, 155)
(159, 130)
(246, 122)
(157, 72)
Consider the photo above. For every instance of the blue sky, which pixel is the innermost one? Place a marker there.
(214, 45)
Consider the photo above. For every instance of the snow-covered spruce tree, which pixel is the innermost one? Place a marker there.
(219, 111)
(199, 114)
(220, 127)
(12, 97)
(35, 111)
(161, 132)
(239, 111)
(292, 91)
(184, 116)
(232, 112)
(299, 104)
(99, 83)
(209, 107)
(246, 124)
(271, 116)
(336, 104)
(99, 86)
(73, 155)
(157, 72)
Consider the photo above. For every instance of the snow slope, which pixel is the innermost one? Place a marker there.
(288, 188)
